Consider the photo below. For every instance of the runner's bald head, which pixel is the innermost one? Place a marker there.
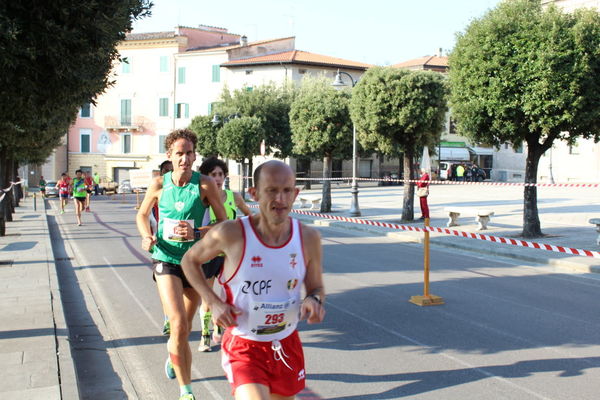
(272, 166)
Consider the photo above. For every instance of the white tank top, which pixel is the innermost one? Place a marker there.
(266, 285)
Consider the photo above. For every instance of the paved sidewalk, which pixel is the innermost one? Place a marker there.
(564, 215)
(35, 353)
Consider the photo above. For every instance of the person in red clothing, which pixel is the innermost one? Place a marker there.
(423, 183)
(89, 185)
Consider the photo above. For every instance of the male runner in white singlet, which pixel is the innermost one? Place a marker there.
(268, 258)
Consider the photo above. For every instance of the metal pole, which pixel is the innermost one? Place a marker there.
(354, 208)
(34, 203)
(426, 262)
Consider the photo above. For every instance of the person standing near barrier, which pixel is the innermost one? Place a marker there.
(79, 195)
(460, 173)
(182, 196)
(89, 183)
(217, 169)
(63, 187)
(42, 186)
(423, 192)
(268, 258)
(96, 183)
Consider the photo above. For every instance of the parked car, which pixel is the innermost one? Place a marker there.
(51, 189)
(125, 187)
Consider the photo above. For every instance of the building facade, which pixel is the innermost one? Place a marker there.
(164, 79)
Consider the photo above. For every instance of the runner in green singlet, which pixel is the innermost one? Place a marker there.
(217, 169)
(182, 197)
(79, 194)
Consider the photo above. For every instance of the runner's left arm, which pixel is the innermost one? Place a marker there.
(241, 204)
(212, 195)
(313, 305)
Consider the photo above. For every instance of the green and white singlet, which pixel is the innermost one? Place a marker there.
(177, 204)
(230, 207)
(79, 187)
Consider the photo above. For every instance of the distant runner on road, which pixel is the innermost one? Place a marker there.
(182, 197)
(63, 187)
(268, 258)
(79, 194)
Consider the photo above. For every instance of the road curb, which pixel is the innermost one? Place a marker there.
(484, 248)
(69, 388)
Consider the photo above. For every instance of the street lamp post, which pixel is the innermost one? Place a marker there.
(354, 208)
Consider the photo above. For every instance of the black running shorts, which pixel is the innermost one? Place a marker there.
(166, 268)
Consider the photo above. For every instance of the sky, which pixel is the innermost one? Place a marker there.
(380, 32)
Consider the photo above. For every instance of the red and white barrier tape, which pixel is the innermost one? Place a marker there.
(584, 185)
(478, 236)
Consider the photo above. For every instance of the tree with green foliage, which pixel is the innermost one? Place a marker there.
(240, 139)
(55, 56)
(321, 127)
(397, 112)
(205, 129)
(269, 103)
(523, 73)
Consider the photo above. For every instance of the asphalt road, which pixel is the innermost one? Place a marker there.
(507, 330)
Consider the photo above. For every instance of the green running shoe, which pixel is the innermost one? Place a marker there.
(169, 370)
(187, 396)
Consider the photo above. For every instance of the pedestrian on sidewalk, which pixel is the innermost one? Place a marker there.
(63, 187)
(79, 195)
(217, 169)
(423, 192)
(182, 196)
(269, 257)
(460, 173)
(96, 183)
(42, 186)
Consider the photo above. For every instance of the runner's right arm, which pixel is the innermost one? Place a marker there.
(141, 219)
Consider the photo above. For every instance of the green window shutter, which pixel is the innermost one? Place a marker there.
(163, 107)
(85, 143)
(125, 112)
(181, 75)
(164, 64)
(125, 65)
(210, 107)
(216, 73)
(187, 110)
(127, 143)
(86, 110)
(161, 143)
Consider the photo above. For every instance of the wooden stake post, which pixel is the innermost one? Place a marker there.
(426, 299)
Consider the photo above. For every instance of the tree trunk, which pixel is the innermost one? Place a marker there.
(3, 203)
(408, 212)
(244, 178)
(326, 195)
(250, 173)
(531, 219)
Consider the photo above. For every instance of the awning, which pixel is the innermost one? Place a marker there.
(454, 154)
(483, 151)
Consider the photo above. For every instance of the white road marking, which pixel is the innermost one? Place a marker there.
(205, 383)
(482, 371)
